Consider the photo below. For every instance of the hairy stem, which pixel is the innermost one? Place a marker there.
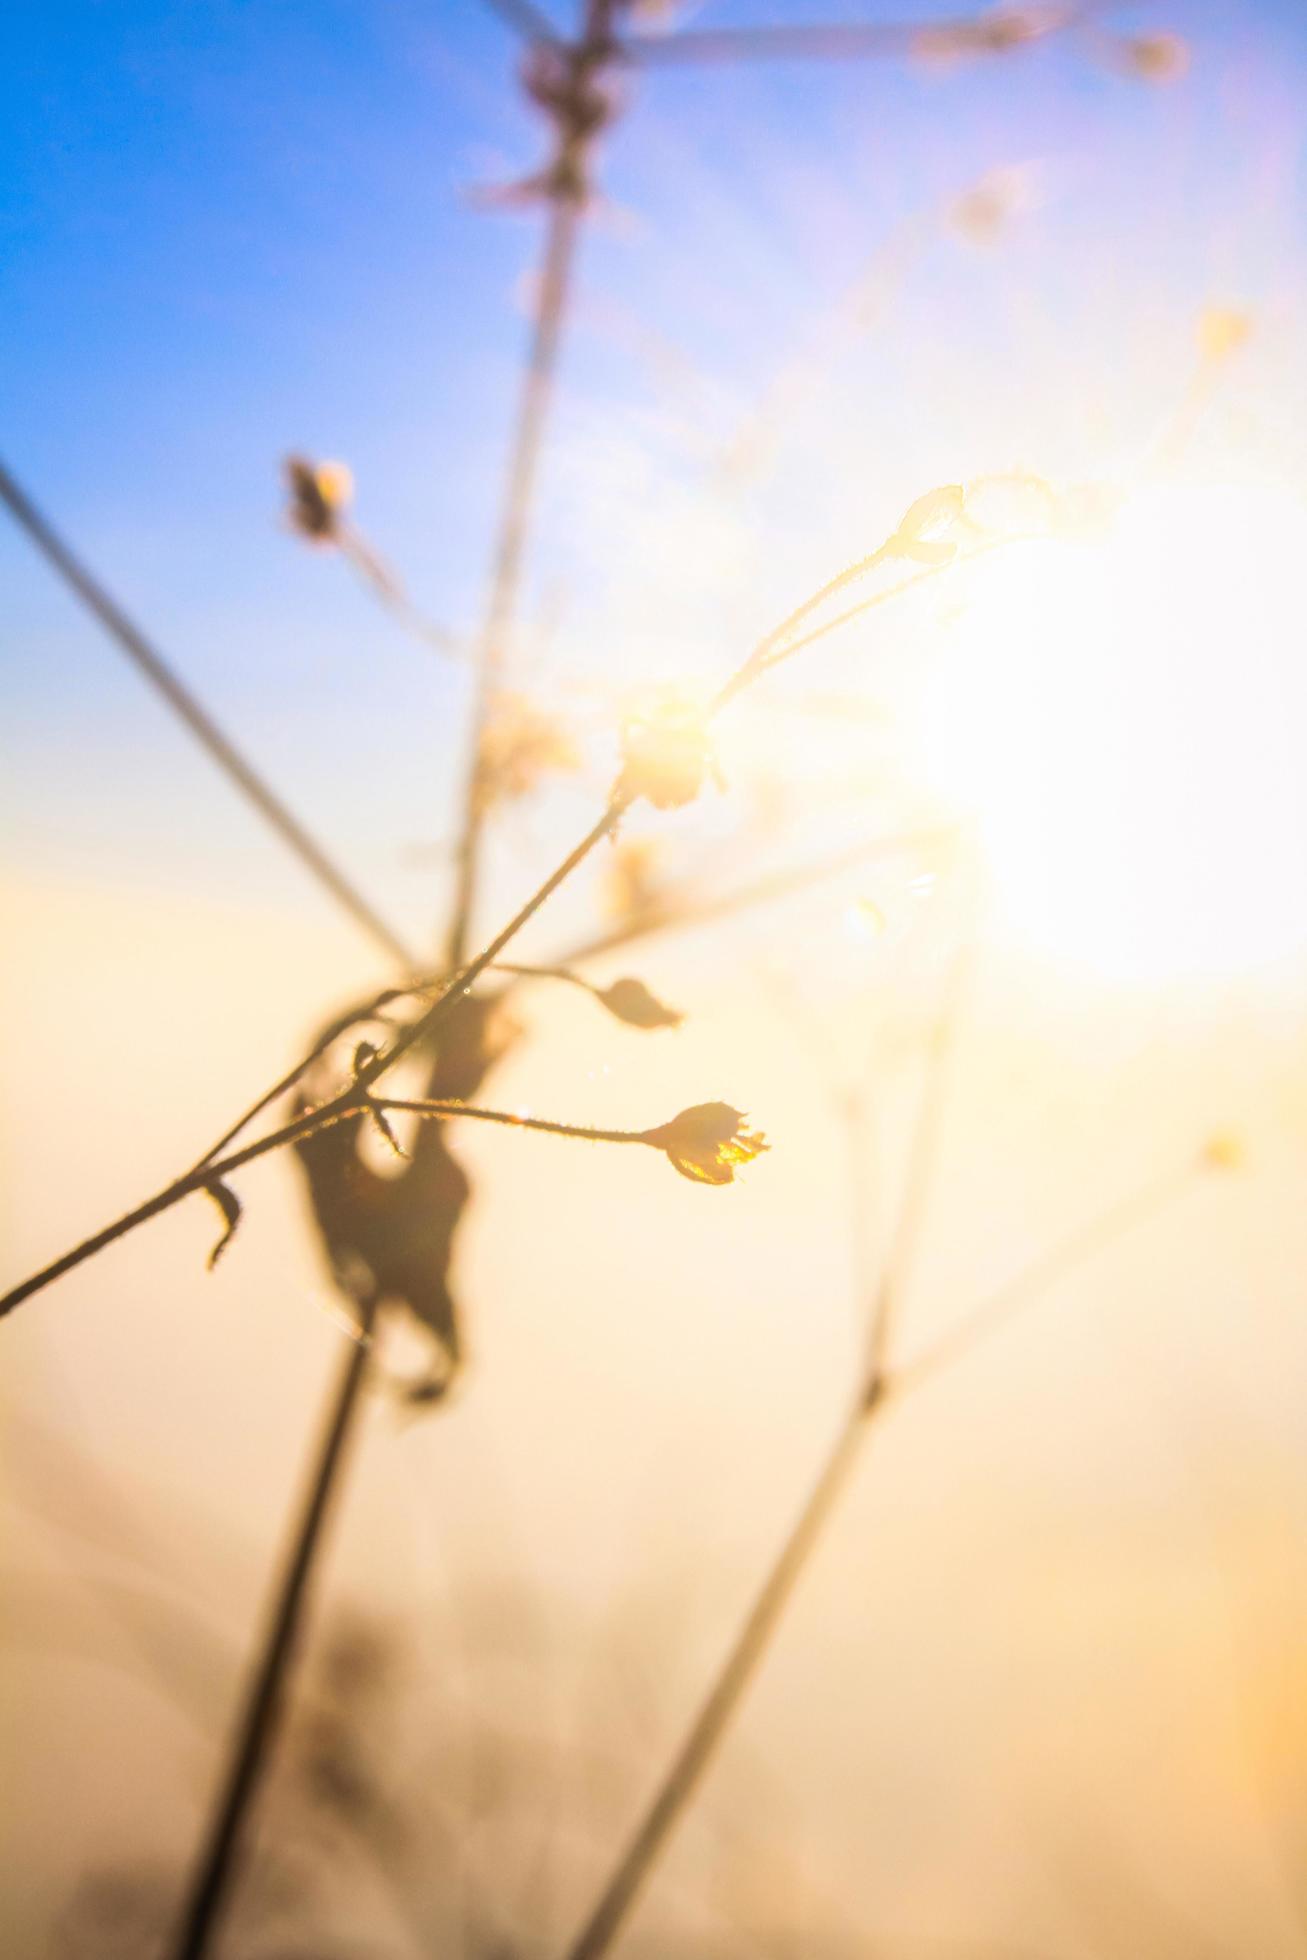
(151, 663)
(749, 1648)
(537, 389)
(418, 1030)
(354, 1101)
(720, 1705)
(211, 1885)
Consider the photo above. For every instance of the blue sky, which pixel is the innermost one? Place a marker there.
(228, 230)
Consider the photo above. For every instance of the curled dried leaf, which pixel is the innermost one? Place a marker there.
(632, 1002)
(319, 495)
(231, 1208)
(707, 1142)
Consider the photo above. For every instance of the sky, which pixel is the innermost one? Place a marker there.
(231, 231)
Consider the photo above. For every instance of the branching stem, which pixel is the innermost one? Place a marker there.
(354, 1101)
(209, 1890)
(425, 1025)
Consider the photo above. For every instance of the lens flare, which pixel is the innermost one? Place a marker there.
(1126, 722)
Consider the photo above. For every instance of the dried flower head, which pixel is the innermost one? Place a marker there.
(1154, 57)
(1223, 1152)
(707, 1142)
(319, 496)
(983, 213)
(1222, 331)
(520, 746)
(666, 753)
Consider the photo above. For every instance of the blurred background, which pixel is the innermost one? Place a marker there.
(1042, 1692)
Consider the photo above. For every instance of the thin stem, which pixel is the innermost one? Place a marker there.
(356, 1018)
(381, 581)
(673, 912)
(542, 1123)
(763, 653)
(769, 653)
(195, 1180)
(832, 41)
(750, 1646)
(417, 1031)
(718, 1708)
(544, 973)
(1035, 1279)
(923, 1157)
(537, 389)
(677, 911)
(258, 1726)
(161, 676)
(354, 1101)
(715, 1712)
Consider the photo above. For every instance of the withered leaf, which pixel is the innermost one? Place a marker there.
(231, 1208)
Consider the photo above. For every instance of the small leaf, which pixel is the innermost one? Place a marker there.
(230, 1207)
(632, 1002)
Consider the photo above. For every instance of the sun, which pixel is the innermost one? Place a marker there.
(1127, 722)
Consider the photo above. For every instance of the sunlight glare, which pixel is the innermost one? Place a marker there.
(1126, 721)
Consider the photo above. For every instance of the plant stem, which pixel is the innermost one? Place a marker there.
(544, 1124)
(674, 910)
(719, 1706)
(417, 1031)
(386, 588)
(716, 1711)
(537, 388)
(258, 1725)
(354, 1101)
(150, 662)
(879, 1390)
(754, 1636)
(1034, 1279)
